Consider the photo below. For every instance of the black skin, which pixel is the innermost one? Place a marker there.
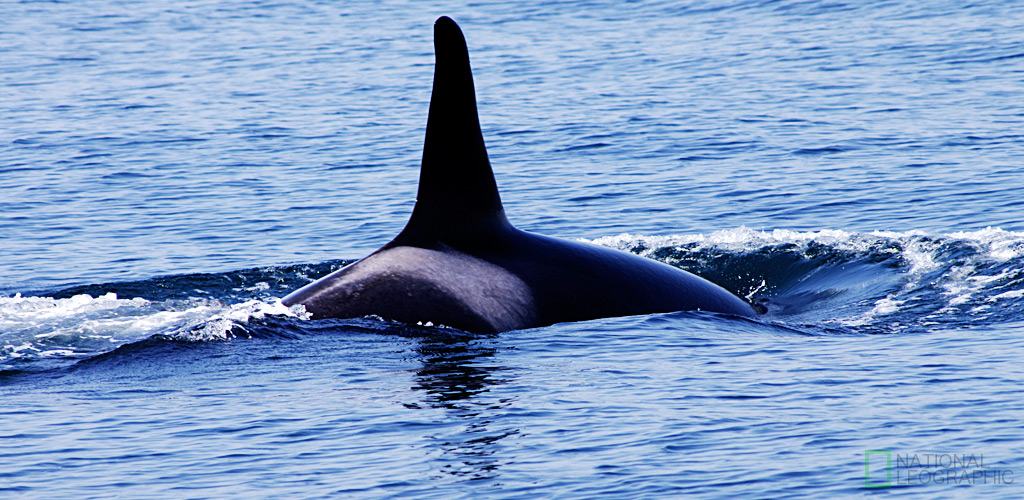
(459, 262)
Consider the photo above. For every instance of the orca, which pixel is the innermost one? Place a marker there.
(460, 263)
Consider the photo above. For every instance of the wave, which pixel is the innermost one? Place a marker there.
(80, 326)
(50, 328)
(828, 281)
(878, 282)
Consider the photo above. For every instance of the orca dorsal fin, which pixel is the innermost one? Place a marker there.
(457, 194)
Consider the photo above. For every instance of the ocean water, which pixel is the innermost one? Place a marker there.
(168, 172)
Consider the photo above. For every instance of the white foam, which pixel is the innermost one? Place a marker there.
(883, 307)
(220, 324)
(83, 324)
(995, 243)
(1012, 294)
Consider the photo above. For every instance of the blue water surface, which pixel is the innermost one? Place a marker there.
(168, 172)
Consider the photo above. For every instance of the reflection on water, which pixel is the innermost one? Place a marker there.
(457, 372)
